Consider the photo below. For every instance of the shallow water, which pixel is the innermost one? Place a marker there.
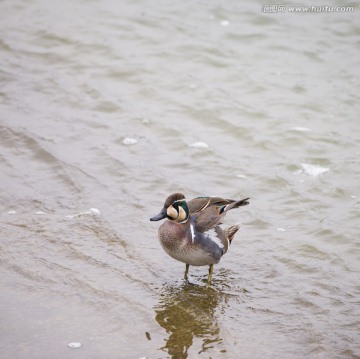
(106, 108)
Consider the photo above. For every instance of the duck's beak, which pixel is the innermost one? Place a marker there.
(160, 216)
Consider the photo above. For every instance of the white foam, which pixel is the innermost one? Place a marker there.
(91, 211)
(301, 129)
(199, 145)
(40, 212)
(94, 211)
(12, 212)
(241, 176)
(279, 229)
(224, 23)
(313, 170)
(129, 141)
(74, 345)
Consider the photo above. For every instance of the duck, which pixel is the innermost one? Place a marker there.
(192, 234)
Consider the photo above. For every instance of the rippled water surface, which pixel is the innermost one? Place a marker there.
(107, 107)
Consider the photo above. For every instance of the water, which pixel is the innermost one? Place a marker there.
(108, 107)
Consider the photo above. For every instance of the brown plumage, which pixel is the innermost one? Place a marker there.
(192, 232)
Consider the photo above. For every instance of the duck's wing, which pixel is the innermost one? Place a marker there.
(199, 204)
(207, 219)
(211, 215)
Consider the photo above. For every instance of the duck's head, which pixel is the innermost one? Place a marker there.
(175, 209)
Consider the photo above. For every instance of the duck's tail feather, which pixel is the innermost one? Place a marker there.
(230, 232)
(242, 202)
(226, 235)
(233, 204)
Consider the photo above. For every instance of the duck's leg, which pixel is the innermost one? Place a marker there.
(211, 269)
(186, 271)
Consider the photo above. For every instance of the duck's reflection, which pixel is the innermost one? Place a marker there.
(186, 312)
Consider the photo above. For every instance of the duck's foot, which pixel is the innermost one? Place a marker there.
(186, 271)
(211, 269)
